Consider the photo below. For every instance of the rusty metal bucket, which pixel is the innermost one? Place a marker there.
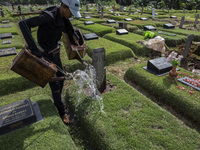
(74, 51)
(33, 68)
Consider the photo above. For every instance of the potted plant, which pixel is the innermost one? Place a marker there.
(175, 61)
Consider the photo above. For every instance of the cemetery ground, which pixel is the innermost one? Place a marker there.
(142, 111)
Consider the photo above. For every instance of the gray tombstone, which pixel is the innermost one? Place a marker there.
(99, 62)
(129, 12)
(186, 50)
(142, 10)
(196, 20)
(102, 12)
(87, 8)
(122, 25)
(153, 13)
(182, 21)
(121, 9)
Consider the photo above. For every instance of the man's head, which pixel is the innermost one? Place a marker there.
(73, 6)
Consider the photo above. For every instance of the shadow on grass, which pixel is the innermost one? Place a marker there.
(166, 82)
(28, 136)
(13, 85)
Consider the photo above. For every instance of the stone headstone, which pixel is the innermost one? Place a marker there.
(6, 41)
(2, 13)
(121, 9)
(186, 50)
(149, 28)
(142, 10)
(121, 31)
(168, 26)
(8, 52)
(98, 8)
(6, 26)
(122, 25)
(90, 36)
(128, 19)
(153, 13)
(88, 22)
(188, 43)
(5, 35)
(102, 12)
(99, 62)
(158, 66)
(5, 21)
(87, 17)
(174, 17)
(129, 11)
(144, 19)
(182, 21)
(111, 21)
(196, 20)
(87, 8)
(18, 114)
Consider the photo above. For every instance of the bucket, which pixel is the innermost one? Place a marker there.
(33, 68)
(74, 51)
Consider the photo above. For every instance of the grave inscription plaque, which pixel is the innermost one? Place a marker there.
(158, 66)
(5, 35)
(149, 28)
(168, 26)
(121, 31)
(90, 36)
(8, 51)
(6, 41)
(88, 22)
(16, 115)
(6, 26)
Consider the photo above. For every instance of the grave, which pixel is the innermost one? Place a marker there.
(90, 36)
(182, 21)
(174, 17)
(2, 13)
(6, 41)
(88, 22)
(5, 35)
(121, 31)
(99, 62)
(111, 21)
(196, 20)
(128, 19)
(122, 25)
(18, 114)
(5, 21)
(149, 28)
(8, 52)
(87, 17)
(190, 82)
(158, 66)
(144, 19)
(168, 26)
(6, 26)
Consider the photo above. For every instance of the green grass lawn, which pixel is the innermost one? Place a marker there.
(132, 121)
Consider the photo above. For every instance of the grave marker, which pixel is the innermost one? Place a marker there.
(8, 52)
(158, 66)
(168, 26)
(128, 19)
(129, 12)
(196, 20)
(122, 25)
(6, 41)
(87, 8)
(5, 21)
(121, 31)
(174, 17)
(153, 13)
(2, 13)
(121, 9)
(5, 35)
(144, 19)
(87, 17)
(149, 28)
(6, 26)
(90, 36)
(142, 10)
(111, 21)
(102, 12)
(18, 114)
(88, 22)
(182, 21)
(99, 62)
(186, 50)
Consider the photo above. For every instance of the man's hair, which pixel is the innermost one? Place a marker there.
(62, 4)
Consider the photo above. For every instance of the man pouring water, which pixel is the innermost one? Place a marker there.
(51, 23)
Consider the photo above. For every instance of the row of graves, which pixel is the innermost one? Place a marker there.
(118, 42)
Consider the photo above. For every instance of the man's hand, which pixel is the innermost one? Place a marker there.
(76, 40)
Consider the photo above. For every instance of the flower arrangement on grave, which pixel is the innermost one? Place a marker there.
(175, 61)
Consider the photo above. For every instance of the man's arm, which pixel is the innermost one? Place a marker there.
(26, 25)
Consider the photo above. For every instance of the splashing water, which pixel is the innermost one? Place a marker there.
(86, 81)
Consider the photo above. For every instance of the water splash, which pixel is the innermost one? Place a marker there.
(86, 81)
